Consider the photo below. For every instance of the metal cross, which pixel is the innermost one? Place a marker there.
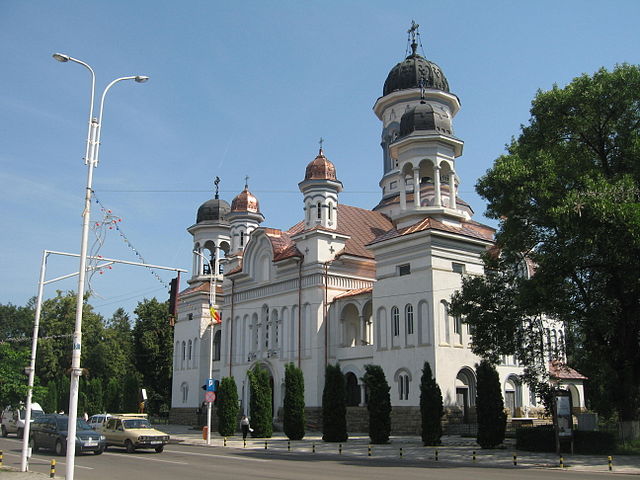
(321, 141)
(246, 181)
(412, 31)
(216, 182)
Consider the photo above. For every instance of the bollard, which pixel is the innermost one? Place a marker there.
(515, 460)
(369, 450)
(436, 454)
(474, 456)
(52, 471)
(340, 448)
(609, 459)
(288, 445)
(0, 458)
(400, 452)
(225, 441)
(313, 447)
(561, 462)
(265, 444)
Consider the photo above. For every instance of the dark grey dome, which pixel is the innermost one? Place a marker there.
(214, 210)
(408, 73)
(423, 117)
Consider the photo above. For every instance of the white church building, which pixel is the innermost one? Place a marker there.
(348, 285)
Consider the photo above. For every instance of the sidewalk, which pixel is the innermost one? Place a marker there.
(454, 449)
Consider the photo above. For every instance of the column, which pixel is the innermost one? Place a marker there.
(363, 330)
(402, 185)
(452, 190)
(362, 397)
(416, 187)
(437, 201)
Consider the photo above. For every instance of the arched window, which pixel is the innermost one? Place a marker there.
(445, 328)
(176, 355)
(241, 238)
(424, 326)
(189, 350)
(184, 388)
(395, 321)
(319, 211)
(403, 379)
(184, 355)
(329, 210)
(217, 337)
(195, 353)
(457, 329)
(408, 316)
(353, 390)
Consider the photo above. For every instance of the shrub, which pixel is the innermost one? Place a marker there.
(227, 407)
(293, 407)
(334, 406)
(379, 404)
(431, 408)
(260, 403)
(492, 420)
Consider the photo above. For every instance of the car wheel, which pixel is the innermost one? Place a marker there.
(159, 449)
(61, 448)
(33, 445)
(129, 446)
(99, 451)
(4, 431)
(20, 432)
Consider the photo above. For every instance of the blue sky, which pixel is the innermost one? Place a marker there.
(247, 88)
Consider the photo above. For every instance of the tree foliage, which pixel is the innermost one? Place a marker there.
(334, 405)
(260, 403)
(567, 195)
(293, 406)
(431, 407)
(379, 404)
(153, 352)
(492, 419)
(227, 407)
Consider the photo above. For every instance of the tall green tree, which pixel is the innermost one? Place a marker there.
(334, 405)
(260, 402)
(431, 407)
(13, 385)
(16, 322)
(492, 419)
(379, 404)
(227, 407)
(293, 406)
(567, 197)
(153, 352)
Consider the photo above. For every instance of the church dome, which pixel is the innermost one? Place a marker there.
(245, 201)
(320, 168)
(213, 210)
(409, 73)
(423, 117)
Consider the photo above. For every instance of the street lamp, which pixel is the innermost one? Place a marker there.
(212, 303)
(91, 160)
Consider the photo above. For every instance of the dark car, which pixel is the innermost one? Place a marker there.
(50, 432)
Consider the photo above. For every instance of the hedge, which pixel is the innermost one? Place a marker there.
(542, 439)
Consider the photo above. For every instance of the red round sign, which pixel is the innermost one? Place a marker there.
(210, 397)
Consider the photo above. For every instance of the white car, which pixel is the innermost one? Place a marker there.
(13, 419)
(97, 421)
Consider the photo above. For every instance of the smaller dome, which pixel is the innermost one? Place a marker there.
(320, 168)
(423, 117)
(245, 201)
(213, 210)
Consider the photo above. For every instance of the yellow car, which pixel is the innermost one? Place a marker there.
(133, 431)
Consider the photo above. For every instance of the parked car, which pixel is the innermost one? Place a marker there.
(133, 431)
(13, 419)
(97, 421)
(50, 432)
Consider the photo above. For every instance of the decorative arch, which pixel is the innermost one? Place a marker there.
(466, 391)
(513, 394)
(381, 328)
(445, 323)
(350, 320)
(402, 379)
(424, 324)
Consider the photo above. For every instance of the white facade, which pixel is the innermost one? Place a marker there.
(347, 285)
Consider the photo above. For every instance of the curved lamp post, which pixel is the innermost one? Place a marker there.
(91, 160)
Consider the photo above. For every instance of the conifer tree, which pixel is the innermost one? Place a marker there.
(431, 408)
(334, 406)
(227, 407)
(260, 403)
(379, 404)
(492, 419)
(294, 420)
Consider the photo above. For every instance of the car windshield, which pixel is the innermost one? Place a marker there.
(137, 423)
(62, 422)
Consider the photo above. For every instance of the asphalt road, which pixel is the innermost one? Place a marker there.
(184, 462)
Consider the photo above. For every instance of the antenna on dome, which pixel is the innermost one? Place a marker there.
(216, 182)
(321, 141)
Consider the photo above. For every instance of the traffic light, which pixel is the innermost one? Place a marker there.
(174, 287)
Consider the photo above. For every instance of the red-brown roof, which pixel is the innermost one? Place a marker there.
(469, 229)
(362, 226)
(201, 287)
(353, 293)
(561, 371)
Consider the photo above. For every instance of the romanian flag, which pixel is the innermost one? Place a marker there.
(215, 315)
